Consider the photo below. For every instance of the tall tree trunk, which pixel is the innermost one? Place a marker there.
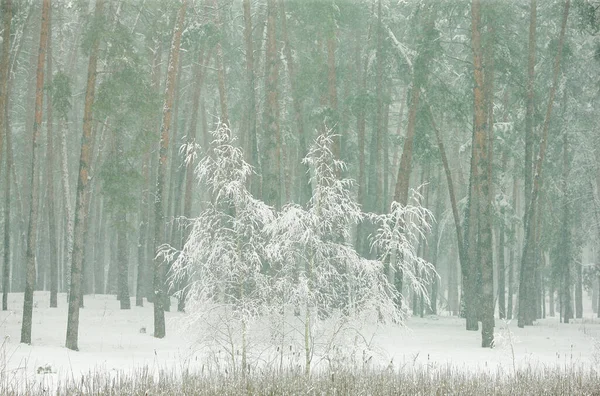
(375, 202)
(85, 163)
(4, 132)
(221, 69)
(479, 235)
(451, 191)
(361, 231)
(252, 141)
(305, 187)
(527, 278)
(4, 66)
(419, 76)
(34, 197)
(332, 122)
(271, 188)
(159, 227)
(189, 170)
(53, 241)
(143, 233)
(530, 109)
(511, 259)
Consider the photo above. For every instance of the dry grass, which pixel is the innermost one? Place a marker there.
(417, 381)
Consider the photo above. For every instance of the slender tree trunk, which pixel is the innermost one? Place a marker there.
(579, 291)
(527, 278)
(332, 122)
(4, 66)
(99, 246)
(4, 132)
(271, 160)
(221, 69)
(123, 259)
(85, 164)
(189, 170)
(53, 241)
(159, 227)
(252, 141)
(529, 112)
(305, 187)
(34, 197)
(511, 264)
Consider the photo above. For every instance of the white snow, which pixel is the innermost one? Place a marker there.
(110, 340)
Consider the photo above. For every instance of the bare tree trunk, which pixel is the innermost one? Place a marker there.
(252, 142)
(221, 69)
(143, 233)
(305, 188)
(123, 260)
(4, 132)
(530, 109)
(189, 170)
(511, 263)
(159, 227)
(4, 66)
(34, 197)
(527, 279)
(272, 141)
(53, 241)
(579, 290)
(81, 205)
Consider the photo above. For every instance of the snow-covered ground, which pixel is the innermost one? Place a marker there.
(112, 340)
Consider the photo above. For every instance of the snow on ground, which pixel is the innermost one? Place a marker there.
(115, 341)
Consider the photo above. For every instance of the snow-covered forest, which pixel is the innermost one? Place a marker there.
(285, 186)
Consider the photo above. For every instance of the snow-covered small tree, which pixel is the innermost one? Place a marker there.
(396, 239)
(222, 259)
(316, 272)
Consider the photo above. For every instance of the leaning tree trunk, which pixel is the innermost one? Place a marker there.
(85, 162)
(527, 278)
(34, 197)
(159, 210)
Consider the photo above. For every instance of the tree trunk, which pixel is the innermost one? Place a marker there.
(305, 187)
(511, 259)
(159, 227)
(4, 132)
(85, 164)
(4, 66)
(579, 291)
(221, 69)
(271, 160)
(530, 109)
(527, 278)
(123, 260)
(252, 142)
(189, 170)
(53, 241)
(99, 247)
(34, 197)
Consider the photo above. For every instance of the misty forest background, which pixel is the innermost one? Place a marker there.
(490, 106)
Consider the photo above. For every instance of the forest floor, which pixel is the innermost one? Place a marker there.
(120, 341)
